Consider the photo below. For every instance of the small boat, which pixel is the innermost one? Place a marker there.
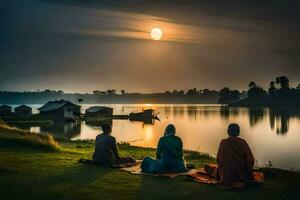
(146, 114)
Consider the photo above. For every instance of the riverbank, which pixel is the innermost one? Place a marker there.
(38, 167)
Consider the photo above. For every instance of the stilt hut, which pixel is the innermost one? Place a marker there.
(98, 112)
(61, 110)
(5, 110)
(23, 110)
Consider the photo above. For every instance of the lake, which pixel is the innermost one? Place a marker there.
(273, 135)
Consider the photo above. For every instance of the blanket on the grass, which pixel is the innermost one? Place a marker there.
(202, 177)
(137, 170)
(198, 175)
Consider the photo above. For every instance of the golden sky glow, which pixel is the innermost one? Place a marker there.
(106, 41)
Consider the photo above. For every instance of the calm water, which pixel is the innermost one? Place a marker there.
(273, 135)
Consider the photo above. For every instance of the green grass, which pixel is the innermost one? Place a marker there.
(28, 119)
(32, 172)
(12, 136)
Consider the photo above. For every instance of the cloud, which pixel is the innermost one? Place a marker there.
(78, 48)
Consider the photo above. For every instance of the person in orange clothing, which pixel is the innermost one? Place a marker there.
(235, 160)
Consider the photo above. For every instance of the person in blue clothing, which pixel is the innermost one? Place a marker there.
(169, 154)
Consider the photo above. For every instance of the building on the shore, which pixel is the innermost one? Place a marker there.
(23, 110)
(98, 112)
(60, 110)
(5, 110)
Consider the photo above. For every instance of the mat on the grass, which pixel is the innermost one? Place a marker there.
(202, 177)
(137, 170)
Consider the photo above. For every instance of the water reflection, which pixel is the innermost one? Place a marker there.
(178, 111)
(148, 121)
(66, 130)
(61, 130)
(99, 123)
(225, 113)
(201, 128)
(167, 110)
(192, 111)
(280, 119)
(256, 116)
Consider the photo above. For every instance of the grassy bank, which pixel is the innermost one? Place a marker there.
(33, 119)
(15, 137)
(32, 170)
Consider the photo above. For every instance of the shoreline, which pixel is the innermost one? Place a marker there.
(62, 142)
(39, 167)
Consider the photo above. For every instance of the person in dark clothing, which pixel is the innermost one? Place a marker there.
(106, 152)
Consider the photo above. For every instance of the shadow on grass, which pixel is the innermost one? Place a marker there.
(79, 174)
(73, 183)
(183, 188)
(170, 188)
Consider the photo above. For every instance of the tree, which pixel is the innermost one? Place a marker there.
(98, 92)
(252, 84)
(123, 92)
(206, 91)
(224, 96)
(111, 92)
(283, 81)
(60, 92)
(181, 92)
(192, 91)
(272, 89)
(298, 87)
(79, 101)
(255, 92)
(175, 92)
(234, 95)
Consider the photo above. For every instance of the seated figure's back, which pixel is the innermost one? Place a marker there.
(104, 149)
(235, 159)
(169, 154)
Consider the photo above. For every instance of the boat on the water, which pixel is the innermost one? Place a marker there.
(145, 114)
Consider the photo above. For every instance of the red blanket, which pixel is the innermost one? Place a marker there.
(202, 177)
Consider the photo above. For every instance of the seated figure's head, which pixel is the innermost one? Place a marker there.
(170, 130)
(106, 128)
(233, 130)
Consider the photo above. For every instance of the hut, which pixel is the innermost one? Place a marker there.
(5, 110)
(98, 112)
(23, 110)
(60, 110)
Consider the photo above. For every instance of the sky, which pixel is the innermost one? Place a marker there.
(81, 46)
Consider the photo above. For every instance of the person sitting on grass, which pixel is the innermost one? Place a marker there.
(235, 160)
(106, 152)
(169, 154)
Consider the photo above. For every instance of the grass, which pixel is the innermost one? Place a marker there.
(12, 136)
(32, 172)
(30, 119)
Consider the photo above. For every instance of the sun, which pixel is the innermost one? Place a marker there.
(156, 34)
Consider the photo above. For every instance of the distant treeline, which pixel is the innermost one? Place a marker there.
(110, 96)
(279, 94)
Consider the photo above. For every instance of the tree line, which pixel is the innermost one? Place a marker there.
(279, 93)
(110, 96)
